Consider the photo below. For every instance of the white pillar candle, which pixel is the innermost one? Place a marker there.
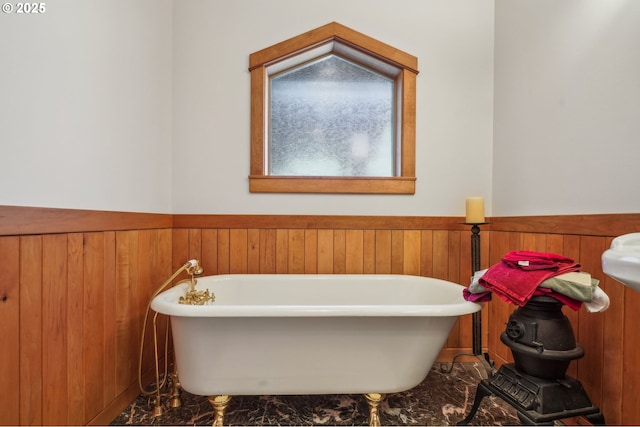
(475, 210)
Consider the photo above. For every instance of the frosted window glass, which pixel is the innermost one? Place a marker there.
(332, 117)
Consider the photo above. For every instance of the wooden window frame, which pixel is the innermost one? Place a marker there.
(261, 182)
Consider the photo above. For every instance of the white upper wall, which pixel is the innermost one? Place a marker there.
(85, 106)
(212, 41)
(567, 107)
(117, 104)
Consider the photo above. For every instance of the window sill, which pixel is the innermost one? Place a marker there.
(335, 185)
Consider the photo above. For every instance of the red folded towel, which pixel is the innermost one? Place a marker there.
(529, 260)
(517, 276)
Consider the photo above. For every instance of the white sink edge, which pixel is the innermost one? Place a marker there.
(622, 261)
(629, 242)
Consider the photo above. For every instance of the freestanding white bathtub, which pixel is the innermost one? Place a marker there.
(311, 334)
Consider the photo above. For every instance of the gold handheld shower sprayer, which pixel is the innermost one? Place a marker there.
(193, 268)
(194, 297)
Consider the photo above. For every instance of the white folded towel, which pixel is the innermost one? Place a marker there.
(599, 302)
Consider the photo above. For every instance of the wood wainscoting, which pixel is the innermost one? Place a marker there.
(74, 286)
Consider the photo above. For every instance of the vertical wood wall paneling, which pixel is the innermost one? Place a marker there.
(369, 251)
(354, 251)
(161, 271)
(325, 251)
(209, 257)
(223, 251)
(426, 253)
(614, 331)
(110, 315)
(440, 254)
(125, 288)
(268, 251)
(30, 331)
(296, 252)
(310, 251)
(75, 329)
(146, 260)
(179, 248)
(93, 326)
(59, 317)
(238, 251)
(571, 249)
(339, 251)
(453, 256)
(282, 251)
(383, 251)
(253, 251)
(453, 274)
(195, 244)
(54, 306)
(412, 251)
(397, 251)
(11, 366)
(30, 328)
(590, 333)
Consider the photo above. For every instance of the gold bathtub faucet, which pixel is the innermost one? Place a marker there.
(194, 297)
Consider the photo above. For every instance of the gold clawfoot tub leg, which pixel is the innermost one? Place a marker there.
(220, 404)
(174, 398)
(374, 400)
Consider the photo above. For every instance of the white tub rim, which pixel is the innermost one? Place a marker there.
(166, 302)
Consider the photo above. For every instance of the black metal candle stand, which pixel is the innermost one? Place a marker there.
(476, 318)
(475, 266)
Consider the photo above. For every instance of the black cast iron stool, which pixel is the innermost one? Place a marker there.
(538, 401)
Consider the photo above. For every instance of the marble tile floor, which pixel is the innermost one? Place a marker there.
(441, 399)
